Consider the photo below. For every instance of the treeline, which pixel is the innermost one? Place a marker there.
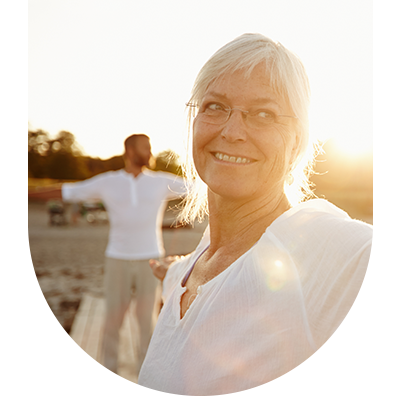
(61, 158)
(345, 181)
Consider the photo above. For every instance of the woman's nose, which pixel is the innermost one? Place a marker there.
(235, 128)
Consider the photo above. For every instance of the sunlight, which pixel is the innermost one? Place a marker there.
(352, 146)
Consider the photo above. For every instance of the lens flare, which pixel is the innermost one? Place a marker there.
(276, 276)
(275, 266)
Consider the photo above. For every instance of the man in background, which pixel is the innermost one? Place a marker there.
(135, 199)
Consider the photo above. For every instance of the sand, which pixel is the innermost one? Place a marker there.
(69, 259)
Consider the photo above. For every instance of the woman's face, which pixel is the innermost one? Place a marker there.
(233, 159)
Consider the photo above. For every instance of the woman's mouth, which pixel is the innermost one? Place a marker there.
(232, 159)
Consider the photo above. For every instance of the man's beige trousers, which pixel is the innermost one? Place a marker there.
(120, 277)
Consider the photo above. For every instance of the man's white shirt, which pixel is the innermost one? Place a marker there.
(135, 208)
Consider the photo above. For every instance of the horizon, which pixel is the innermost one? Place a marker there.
(127, 68)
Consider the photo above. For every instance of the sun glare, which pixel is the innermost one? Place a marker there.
(352, 146)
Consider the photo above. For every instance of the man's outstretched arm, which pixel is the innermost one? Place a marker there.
(45, 193)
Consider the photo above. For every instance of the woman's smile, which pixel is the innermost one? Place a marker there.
(230, 159)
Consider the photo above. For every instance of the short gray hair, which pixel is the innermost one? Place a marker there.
(287, 77)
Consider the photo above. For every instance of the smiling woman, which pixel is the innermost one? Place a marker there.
(273, 277)
(258, 136)
(272, 109)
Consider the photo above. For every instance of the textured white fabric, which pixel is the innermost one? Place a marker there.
(135, 208)
(267, 312)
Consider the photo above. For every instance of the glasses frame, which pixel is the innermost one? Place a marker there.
(230, 109)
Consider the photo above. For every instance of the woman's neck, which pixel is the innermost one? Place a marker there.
(240, 223)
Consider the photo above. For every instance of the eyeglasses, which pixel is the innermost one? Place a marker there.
(218, 114)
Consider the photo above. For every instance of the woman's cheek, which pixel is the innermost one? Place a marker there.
(197, 148)
(201, 137)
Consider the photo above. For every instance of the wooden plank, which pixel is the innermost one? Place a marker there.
(60, 385)
(87, 332)
(128, 345)
(82, 350)
(86, 370)
(99, 359)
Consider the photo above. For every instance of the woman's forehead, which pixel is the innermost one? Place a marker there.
(240, 86)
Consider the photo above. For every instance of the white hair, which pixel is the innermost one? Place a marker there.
(287, 77)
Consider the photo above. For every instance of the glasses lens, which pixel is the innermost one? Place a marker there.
(259, 121)
(214, 115)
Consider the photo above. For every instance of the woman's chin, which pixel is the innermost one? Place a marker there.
(245, 190)
(232, 191)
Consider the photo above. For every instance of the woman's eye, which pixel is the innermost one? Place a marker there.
(214, 107)
(264, 114)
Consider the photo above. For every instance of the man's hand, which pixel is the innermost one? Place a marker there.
(160, 267)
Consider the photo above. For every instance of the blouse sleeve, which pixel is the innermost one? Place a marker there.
(350, 337)
(341, 315)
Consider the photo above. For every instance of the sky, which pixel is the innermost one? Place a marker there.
(103, 70)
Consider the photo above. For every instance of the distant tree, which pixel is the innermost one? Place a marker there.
(96, 165)
(66, 166)
(345, 180)
(38, 142)
(114, 163)
(58, 158)
(339, 172)
(64, 158)
(38, 146)
(65, 143)
(61, 158)
(168, 161)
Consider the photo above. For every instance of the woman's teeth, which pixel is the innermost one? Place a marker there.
(237, 160)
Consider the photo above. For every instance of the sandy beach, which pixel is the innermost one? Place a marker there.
(69, 259)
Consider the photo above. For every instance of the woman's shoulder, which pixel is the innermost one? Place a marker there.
(318, 227)
(319, 215)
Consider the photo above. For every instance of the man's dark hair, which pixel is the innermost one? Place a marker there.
(130, 141)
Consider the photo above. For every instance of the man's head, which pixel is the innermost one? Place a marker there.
(138, 150)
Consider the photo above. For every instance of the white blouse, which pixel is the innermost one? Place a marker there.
(267, 312)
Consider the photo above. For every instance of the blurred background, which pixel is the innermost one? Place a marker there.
(343, 178)
(101, 70)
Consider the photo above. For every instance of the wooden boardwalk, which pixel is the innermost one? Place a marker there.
(79, 369)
